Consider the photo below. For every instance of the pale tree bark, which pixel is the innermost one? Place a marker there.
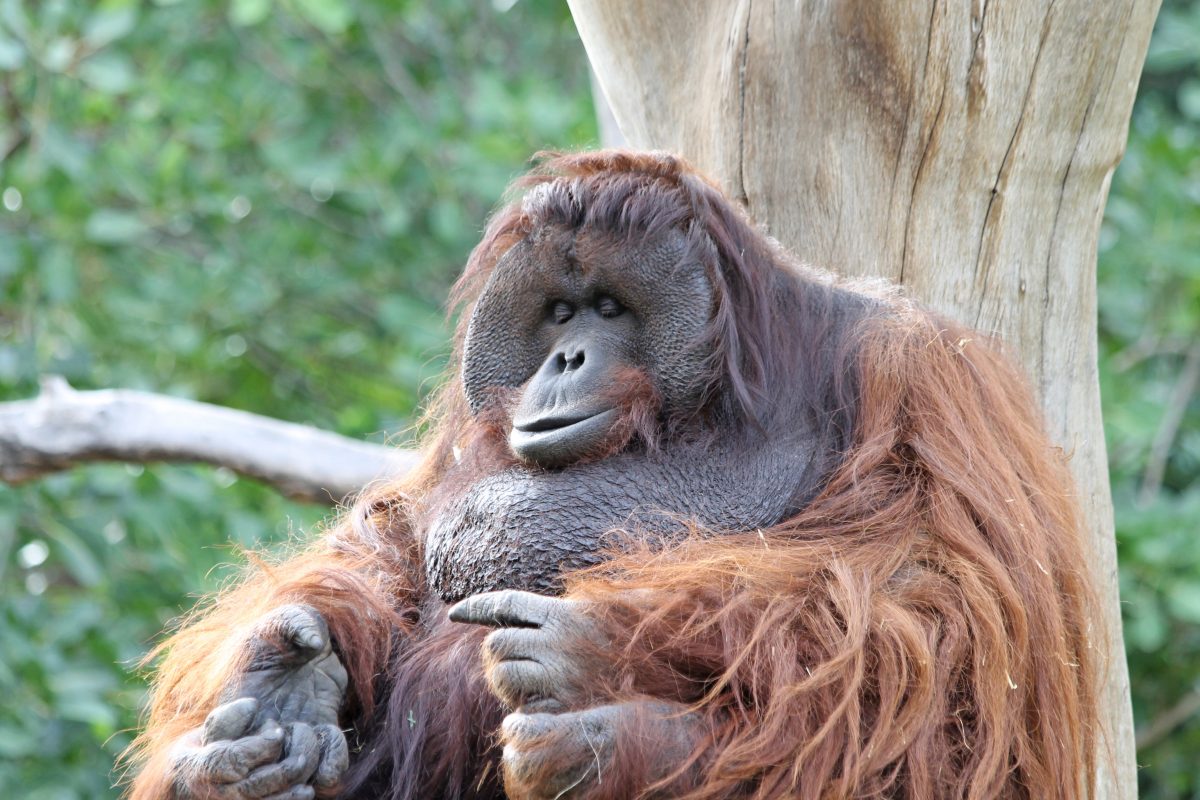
(62, 428)
(963, 149)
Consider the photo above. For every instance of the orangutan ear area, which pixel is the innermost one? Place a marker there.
(804, 539)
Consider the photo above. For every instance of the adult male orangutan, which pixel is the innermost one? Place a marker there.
(702, 521)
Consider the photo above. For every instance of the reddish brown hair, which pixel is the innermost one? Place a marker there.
(921, 629)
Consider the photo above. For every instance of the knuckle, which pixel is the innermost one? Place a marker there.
(502, 605)
(516, 681)
(296, 613)
(263, 781)
(503, 644)
(214, 764)
(304, 626)
(297, 768)
(188, 773)
(516, 770)
(243, 755)
(282, 777)
(290, 631)
(513, 729)
(334, 756)
(303, 741)
(520, 763)
(567, 615)
(229, 720)
(520, 730)
(539, 772)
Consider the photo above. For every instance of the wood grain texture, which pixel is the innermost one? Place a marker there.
(963, 149)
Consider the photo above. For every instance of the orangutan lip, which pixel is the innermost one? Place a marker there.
(549, 440)
(553, 423)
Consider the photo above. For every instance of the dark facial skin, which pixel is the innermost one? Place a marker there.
(553, 291)
(561, 313)
(567, 410)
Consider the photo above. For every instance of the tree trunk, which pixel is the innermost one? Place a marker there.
(962, 149)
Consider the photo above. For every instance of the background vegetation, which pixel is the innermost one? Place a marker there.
(261, 203)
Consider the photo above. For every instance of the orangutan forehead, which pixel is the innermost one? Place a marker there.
(625, 205)
(555, 254)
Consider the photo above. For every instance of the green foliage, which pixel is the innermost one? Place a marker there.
(1149, 324)
(259, 203)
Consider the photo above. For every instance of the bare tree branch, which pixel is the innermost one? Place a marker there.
(1172, 419)
(63, 428)
(1163, 725)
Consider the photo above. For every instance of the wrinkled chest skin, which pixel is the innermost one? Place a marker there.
(522, 528)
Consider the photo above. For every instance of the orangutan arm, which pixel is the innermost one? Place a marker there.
(547, 660)
(250, 694)
(279, 731)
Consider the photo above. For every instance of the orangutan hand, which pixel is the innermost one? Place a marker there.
(545, 653)
(545, 659)
(551, 756)
(277, 734)
(293, 671)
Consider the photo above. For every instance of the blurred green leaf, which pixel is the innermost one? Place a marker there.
(1189, 99)
(330, 16)
(248, 12)
(109, 226)
(81, 564)
(64, 150)
(16, 742)
(59, 53)
(109, 23)
(1184, 602)
(58, 275)
(109, 72)
(12, 54)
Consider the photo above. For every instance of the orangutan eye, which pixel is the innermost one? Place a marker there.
(562, 312)
(608, 307)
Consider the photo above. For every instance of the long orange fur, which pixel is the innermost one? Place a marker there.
(920, 630)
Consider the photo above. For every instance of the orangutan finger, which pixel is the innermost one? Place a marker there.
(508, 608)
(304, 628)
(520, 729)
(275, 778)
(295, 793)
(508, 644)
(229, 721)
(552, 754)
(334, 757)
(292, 634)
(522, 683)
(304, 744)
(232, 761)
